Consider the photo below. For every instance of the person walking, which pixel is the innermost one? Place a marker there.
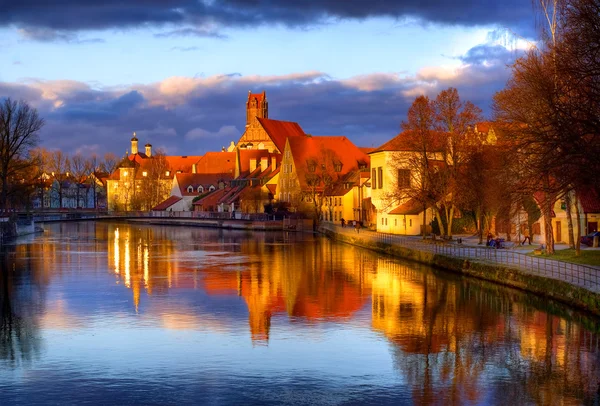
(343, 222)
(526, 237)
(357, 226)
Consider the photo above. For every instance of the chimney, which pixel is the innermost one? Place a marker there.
(194, 170)
(253, 164)
(134, 146)
(273, 163)
(264, 163)
(149, 150)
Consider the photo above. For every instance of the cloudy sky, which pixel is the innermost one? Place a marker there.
(178, 72)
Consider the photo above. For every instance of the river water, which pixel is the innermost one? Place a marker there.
(114, 313)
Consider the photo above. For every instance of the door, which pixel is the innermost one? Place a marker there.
(592, 226)
(558, 232)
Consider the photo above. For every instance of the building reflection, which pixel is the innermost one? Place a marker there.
(447, 333)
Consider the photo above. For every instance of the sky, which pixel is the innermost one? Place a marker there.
(178, 72)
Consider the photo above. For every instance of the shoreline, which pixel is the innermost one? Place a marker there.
(561, 291)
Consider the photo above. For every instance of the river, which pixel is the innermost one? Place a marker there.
(117, 313)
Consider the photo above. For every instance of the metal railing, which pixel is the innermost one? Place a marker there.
(583, 276)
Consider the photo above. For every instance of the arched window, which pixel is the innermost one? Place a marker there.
(211, 188)
(190, 189)
(200, 189)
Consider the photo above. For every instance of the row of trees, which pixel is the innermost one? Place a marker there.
(550, 109)
(62, 171)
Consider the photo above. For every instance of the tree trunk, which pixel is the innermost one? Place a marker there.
(569, 219)
(578, 219)
(439, 219)
(450, 218)
(424, 221)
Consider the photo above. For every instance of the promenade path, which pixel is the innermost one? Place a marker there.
(584, 276)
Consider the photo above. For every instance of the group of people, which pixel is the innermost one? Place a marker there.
(498, 242)
(355, 224)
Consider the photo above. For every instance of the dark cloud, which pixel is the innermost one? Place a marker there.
(490, 54)
(195, 15)
(194, 115)
(44, 34)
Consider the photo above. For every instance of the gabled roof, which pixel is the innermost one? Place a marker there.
(405, 141)
(308, 148)
(184, 180)
(217, 162)
(279, 131)
(590, 201)
(412, 206)
(167, 203)
(181, 163)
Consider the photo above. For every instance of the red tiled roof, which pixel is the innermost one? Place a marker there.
(310, 148)
(181, 163)
(211, 199)
(366, 150)
(590, 201)
(406, 142)
(184, 180)
(216, 162)
(167, 203)
(412, 206)
(279, 131)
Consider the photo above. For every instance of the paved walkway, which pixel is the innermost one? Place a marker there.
(585, 276)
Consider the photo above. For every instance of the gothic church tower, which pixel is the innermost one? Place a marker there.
(256, 106)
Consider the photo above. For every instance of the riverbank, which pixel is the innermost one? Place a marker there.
(575, 285)
(229, 224)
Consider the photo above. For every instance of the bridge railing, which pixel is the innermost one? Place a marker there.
(587, 277)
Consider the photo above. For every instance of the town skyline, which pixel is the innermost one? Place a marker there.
(181, 84)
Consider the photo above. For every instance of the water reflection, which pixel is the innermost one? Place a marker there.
(21, 299)
(273, 313)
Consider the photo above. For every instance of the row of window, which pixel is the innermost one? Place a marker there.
(200, 189)
(384, 222)
(403, 178)
(333, 201)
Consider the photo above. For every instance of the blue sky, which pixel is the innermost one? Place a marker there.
(178, 72)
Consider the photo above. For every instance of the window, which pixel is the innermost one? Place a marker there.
(190, 189)
(200, 189)
(125, 173)
(144, 173)
(410, 222)
(382, 221)
(386, 222)
(374, 179)
(337, 166)
(211, 188)
(168, 173)
(395, 222)
(312, 166)
(380, 173)
(403, 178)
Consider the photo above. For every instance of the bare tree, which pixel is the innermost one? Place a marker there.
(59, 165)
(19, 127)
(110, 162)
(321, 175)
(455, 121)
(80, 170)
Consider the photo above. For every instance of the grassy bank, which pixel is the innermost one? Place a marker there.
(587, 257)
